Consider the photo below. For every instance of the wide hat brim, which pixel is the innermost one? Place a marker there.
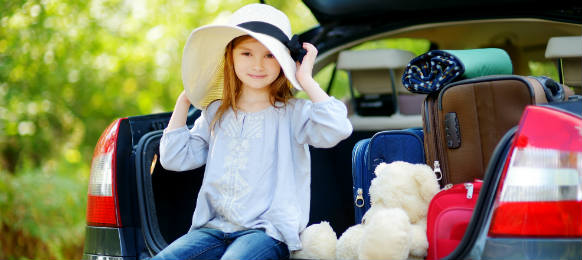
(203, 61)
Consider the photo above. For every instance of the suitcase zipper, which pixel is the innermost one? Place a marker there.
(431, 133)
(469, 187)
(359, 198)
(440, 151)
(448, 186)
(433, 155)
(437, 170)
(358, 182)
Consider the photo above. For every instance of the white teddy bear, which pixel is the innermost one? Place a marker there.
(319, 242)
(395, 225)
(393, 228)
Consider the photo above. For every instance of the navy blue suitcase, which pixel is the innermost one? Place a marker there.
(386, 146)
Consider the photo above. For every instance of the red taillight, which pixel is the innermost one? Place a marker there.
(102, 207)
(540, 193)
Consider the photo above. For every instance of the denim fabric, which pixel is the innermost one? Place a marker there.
(208, 243)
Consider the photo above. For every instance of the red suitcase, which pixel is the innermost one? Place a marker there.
(449, 213)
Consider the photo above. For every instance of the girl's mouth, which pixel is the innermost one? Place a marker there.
(257, 76)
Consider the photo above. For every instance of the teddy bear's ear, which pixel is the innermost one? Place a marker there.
(380, 168)
(426, 180)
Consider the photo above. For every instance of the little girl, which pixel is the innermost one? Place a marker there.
(252, 135)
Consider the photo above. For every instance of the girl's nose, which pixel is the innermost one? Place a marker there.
(258, 63)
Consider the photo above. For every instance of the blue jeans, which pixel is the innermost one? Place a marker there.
(208, 243)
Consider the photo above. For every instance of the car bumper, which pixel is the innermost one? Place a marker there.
(110, 243)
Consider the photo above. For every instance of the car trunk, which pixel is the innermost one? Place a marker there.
(167, 199)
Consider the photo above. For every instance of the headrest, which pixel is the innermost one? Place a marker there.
(374, 59)
(564, 47)
(370, 69)
(569, 51)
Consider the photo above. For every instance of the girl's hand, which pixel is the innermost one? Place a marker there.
(180, 113)
(183, 99)
(305, 69)
(304, 75)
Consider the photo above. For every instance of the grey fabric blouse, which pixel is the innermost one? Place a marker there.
(257, 164)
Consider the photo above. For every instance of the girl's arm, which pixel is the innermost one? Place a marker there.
(182, 149)
(323, 122)
(305, 78)
(180, 113)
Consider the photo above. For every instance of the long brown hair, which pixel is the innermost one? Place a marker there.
(280, 90)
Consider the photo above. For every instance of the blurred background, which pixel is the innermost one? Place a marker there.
(67, 70)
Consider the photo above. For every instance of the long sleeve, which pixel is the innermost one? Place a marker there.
(258, 169)
(182, 149)
(322, 124)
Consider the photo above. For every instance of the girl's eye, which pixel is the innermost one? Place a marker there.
(270, 56)
(245, 53)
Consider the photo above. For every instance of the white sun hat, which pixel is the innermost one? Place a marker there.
(203, 57)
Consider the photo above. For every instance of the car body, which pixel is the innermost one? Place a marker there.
(136, 208)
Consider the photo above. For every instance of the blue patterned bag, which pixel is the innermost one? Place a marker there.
(433, 70)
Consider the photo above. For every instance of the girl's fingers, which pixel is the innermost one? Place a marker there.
(311, 50)
(309, 46)
(309, 57)
(304, 69)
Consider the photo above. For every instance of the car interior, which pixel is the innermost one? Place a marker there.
(372, 76)
(368, 80)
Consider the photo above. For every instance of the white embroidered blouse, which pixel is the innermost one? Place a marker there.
(257, 164)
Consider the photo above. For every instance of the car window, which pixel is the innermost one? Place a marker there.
(544, 68)
(416, 46)
(340, 85)
(526, 61)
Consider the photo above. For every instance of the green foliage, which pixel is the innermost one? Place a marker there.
(68, 69)
(40, 211)
(544, 68)
(416, 46)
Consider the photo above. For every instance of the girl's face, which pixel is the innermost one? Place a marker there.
(254, 64)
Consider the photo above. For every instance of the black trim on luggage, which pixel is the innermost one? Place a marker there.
(485, 201)
(569, 107)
